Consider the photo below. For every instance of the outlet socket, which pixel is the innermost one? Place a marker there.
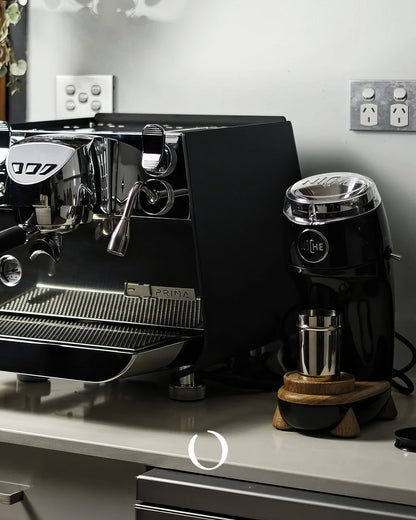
(399, 115)
(83, 95)
(368, 114)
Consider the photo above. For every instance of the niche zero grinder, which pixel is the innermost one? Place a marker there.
(339, 255)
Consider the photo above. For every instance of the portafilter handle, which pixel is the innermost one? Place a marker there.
(14, 236)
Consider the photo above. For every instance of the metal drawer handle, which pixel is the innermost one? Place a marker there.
(11, 493)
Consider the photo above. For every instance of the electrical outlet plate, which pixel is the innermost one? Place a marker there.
(391, 114)
(83, 95)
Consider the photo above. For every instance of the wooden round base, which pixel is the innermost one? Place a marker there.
(362, 390)
(295, 382)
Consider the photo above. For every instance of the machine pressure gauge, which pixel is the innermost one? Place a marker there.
(10, 270)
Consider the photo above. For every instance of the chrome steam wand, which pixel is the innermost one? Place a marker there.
(119, 239)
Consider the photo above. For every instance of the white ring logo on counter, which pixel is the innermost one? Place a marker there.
(31, 163)
(224, 451)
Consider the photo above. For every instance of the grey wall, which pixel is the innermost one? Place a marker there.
(288, 57)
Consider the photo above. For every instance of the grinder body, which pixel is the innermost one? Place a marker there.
(339, 256)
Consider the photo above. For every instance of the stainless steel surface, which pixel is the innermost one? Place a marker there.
(49, 245)
(161, 192)
(104, 306)
(330, 197)
(319, 342)
(63, 164)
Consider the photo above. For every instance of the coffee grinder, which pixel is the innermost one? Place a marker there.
(339, 256)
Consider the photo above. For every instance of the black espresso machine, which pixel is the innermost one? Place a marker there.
(140, 243)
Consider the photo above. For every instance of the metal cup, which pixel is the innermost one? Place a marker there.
(319, 342)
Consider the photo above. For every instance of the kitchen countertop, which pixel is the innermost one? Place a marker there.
(134, 420)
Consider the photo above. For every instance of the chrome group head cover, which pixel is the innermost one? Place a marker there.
(330, 197)
(56, 175)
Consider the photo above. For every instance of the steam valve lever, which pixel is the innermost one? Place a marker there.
(158, 158)
(153, 146)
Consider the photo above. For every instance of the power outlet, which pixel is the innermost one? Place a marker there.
(399, 114)
(368, 114)
(386, 105)
(83, 95)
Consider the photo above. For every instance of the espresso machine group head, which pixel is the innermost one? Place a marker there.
(340, 251)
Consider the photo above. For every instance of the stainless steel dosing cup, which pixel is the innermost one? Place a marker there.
(319, 342)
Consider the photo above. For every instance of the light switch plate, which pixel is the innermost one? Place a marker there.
(83, 95)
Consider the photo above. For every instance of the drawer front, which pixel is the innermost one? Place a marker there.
(64, 486)
(207, 495)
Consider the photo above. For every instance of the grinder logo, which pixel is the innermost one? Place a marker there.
(312, 246)
(31, 163)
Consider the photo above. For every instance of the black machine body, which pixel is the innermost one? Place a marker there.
(140, 243)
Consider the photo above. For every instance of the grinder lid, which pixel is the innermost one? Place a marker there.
(330, 197)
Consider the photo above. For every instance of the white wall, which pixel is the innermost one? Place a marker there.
(280, 57)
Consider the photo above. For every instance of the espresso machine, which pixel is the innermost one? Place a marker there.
(138, 243)
(342, 329)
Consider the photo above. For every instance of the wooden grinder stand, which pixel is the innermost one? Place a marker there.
(339, 392)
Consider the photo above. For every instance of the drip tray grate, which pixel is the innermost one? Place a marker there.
(102, 306)
(126, 338)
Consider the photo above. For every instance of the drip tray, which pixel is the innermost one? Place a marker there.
(105, 306)
(91, 335)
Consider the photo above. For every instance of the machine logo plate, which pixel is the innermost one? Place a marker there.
(312, 246)
(158, 291)
(31, 163)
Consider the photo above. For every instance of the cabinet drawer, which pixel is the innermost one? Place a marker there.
(206, 495)
(65, 486)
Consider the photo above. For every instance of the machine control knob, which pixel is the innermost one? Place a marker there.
(158, 158)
